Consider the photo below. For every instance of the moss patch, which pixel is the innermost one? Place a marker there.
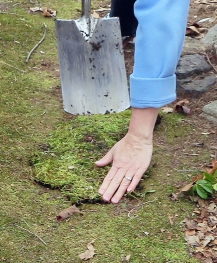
(68, 160)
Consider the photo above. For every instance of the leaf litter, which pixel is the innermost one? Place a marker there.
(47, 12)
(89, 253)
(68, 212)
(201, 232)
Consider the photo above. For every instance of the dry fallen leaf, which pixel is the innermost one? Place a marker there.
(68, 212)
(212, 208)
(192, 240)
(35, 9)
(213, 167)
(89, 253)
(187, 187)
(47, 12)
(207, 240)
(171, 218)
(167, 109)
(195, 31)
(181, 107)
(126, 259)
(191, 224)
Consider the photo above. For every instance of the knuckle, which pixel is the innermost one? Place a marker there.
(116, 180)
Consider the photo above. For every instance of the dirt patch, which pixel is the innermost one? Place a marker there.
(49, 66)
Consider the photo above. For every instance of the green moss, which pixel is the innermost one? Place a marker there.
(73, 148)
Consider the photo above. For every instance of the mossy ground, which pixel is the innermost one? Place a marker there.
(35, 130)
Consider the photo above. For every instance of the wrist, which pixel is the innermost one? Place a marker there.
(142, 123)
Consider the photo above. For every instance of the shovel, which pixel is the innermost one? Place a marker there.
(92, 68)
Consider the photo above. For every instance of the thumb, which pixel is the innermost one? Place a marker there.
(105, 160)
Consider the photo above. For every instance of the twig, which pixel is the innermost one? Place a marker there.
(187, 171)
(12, 66)
(31, 233)
(42, 39)
(207, 57)
(191, 154)
(150, 201)
(9, 13)
(43, 113)
(32, 2)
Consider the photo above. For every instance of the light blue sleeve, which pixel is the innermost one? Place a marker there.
(159, 41)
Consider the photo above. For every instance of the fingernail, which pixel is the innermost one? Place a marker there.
(106, 200)
(101, 191)
(114, 201)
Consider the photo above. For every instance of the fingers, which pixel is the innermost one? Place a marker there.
(107, 180)
(114, 184)
(136, 179)
(105, 160)
(118, 183)
(122, 189)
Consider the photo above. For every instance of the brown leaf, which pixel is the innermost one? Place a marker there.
(212, 208)
(89, 253)
(213, 167)
(175, 197)
(187, 187)
(190, 232)
(171, 220)
(127, 258)
(182, 102)
(195, 31)
(213, 220)
(192, 240)
(47, 12)
(167, 109)
(191, 224)
(208, 260)
(68, 212)
(208, 239)
(181, 108)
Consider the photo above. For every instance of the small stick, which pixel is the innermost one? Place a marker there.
(32, 2)
(42, 39)
(12, 66)
(31, 233)
(207, 57)
(9, 13)
(191, 154)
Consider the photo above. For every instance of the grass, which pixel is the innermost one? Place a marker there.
(35, 130)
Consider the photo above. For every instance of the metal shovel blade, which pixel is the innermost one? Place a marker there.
(92, 68)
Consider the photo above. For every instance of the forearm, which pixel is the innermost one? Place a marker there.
(157, 50)
(142, 123)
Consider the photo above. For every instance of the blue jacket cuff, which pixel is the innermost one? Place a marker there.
(152, 92)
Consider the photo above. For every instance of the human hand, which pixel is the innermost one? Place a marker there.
(131, 157)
